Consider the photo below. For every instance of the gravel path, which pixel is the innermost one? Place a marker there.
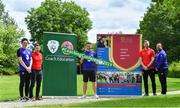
(49, 101)
(59, 100)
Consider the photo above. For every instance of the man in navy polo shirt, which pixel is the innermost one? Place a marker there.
(161, 67)
(89, 70)
(25, 63)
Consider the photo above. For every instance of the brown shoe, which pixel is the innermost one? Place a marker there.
(38, 98)
(154, 94)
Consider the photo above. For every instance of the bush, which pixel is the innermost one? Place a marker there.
(174, 70)
(8, 71)
(10, 34)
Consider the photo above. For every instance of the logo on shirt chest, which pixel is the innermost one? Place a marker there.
(27, 57)
(27, 54)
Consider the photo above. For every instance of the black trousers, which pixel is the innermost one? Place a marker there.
(150, 73)
(35, 77)
(163, 80)
(24, 81)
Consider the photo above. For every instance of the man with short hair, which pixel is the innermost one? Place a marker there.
(161, 67)
(147, 58)
(89, 70)
(25, 63)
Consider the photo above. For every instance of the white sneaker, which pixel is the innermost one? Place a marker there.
(22, 99)
(83, 96)
(26, 98)
(96, 96)
(31, 99)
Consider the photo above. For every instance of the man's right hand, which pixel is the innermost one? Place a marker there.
(28, 69)
(81, 60)
(145, 68)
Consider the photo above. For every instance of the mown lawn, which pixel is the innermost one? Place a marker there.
(9, 86)
(9, 89)
(152, 101)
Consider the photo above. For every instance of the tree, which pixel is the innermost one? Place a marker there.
(159, 1)
(9, 35)
(161, 23)
(59, 16)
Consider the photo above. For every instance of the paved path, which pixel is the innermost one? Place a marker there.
(59, 100)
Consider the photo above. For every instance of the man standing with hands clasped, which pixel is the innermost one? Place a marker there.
(25, 63)
(161, 67)
(147, 58)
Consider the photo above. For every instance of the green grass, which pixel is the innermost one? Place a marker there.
(173, 84)
(157, 101)
(80, 84)
(153, 101)
(9, 87)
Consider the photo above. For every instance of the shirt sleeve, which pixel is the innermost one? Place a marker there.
(30, 53)
(95, 55)
(41, 56)
(152, 53)
(159, 61)
(19, 53)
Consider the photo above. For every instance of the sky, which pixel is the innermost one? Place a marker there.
(108, 16)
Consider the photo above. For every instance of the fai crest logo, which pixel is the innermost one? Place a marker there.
(53, 46)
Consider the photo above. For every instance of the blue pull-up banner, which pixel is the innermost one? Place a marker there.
(124, 78)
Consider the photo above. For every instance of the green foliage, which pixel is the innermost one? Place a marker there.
(158, 1)
(174, 70)
(161, 23)
(9, 46)
(9, 35)
(94, 47)
(59, 16)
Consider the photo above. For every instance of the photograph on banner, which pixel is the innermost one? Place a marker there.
(119, 77)
(125, 76)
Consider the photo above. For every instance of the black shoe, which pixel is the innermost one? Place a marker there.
(154, 94)
(22, 99)
(163, 93)
(146, 94)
